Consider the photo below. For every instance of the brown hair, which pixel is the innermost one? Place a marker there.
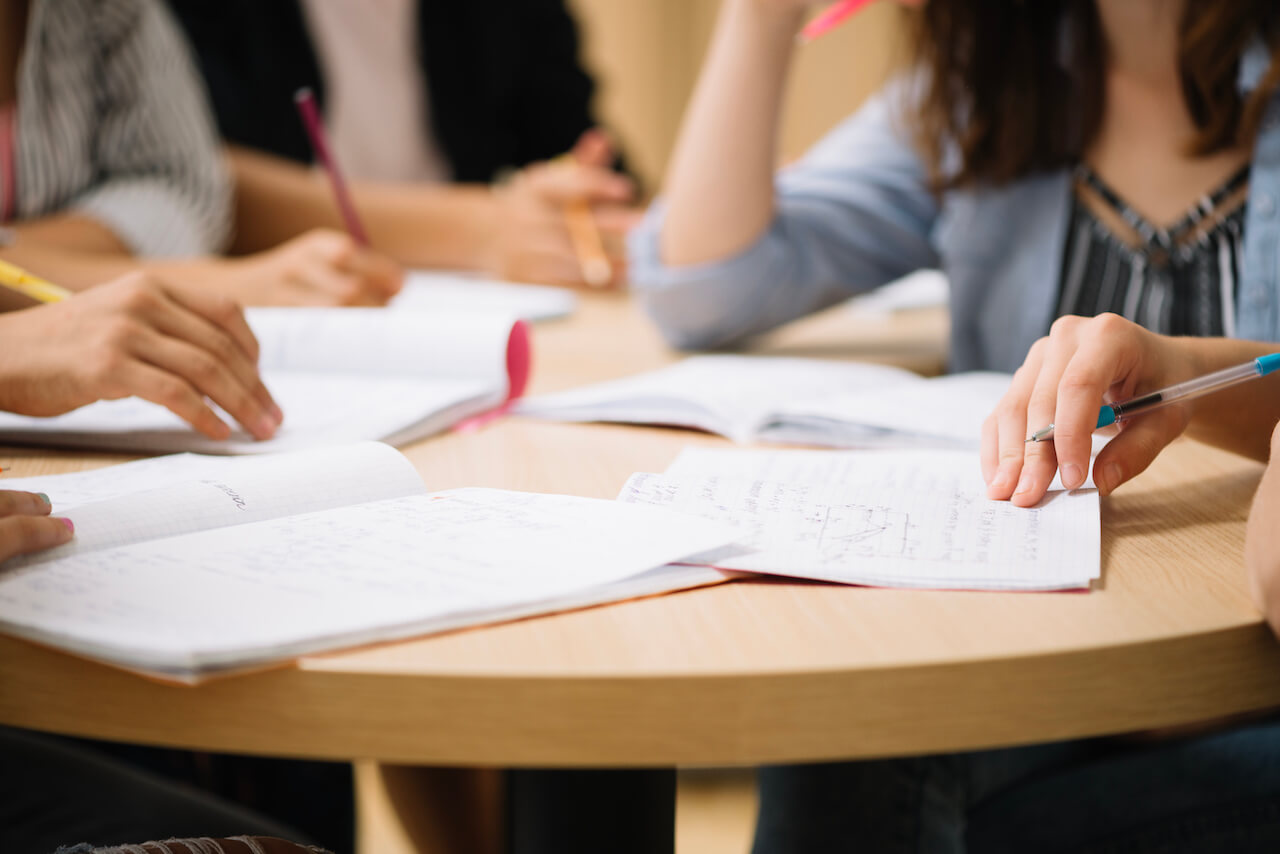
(1017, 86)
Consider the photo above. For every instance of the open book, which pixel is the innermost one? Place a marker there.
(916, 518)
(442, 292)
(340, 375)
(811, 401)
(188, 565)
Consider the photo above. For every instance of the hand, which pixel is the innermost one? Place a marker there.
(321, 267)
(137, 336)
(26, 526)
(1066, 378)
(532, 240)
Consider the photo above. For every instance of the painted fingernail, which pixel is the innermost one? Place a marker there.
(71, 526)
(1071, 476)
(1024, 485)
(45, 498)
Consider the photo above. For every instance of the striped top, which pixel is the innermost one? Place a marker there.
(1180, 280)
(112, 124)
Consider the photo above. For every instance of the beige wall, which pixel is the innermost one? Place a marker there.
(646, 55)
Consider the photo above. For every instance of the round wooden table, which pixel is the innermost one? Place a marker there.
(744, 673)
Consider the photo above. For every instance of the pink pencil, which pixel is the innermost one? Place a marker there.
(829, 19)
(306, 103)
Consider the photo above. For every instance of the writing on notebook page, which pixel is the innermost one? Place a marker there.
(902, 519)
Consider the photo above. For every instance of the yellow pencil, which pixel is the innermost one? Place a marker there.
(18, 279)
(587, 245)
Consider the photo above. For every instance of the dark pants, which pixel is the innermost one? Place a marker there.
(54, 792)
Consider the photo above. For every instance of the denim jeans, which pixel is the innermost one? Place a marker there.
(1216, 792)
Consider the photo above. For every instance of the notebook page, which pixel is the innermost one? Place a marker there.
(377, 570)
(266, 487)
(948, 410)
(115, 481)
(729, 395)
(383, 343)
(451, 293)
(918, 519)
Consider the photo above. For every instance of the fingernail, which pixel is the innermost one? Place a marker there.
(1071, 477)
(45, 498)
(1024, 485)
(267, 426)
(276, 414)
(71, 526)
(1001, 480)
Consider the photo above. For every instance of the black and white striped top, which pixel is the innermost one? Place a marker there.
(112, 123)
(1180, 280)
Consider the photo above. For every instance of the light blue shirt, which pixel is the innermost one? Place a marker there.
(857, 212)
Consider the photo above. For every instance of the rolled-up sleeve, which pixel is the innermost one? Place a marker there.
(856, 212)
(162, 187)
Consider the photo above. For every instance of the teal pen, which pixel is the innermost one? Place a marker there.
(1113, 412)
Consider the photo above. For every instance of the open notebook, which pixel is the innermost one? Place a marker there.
(340, 375)
(916, 518)
(449, 292)
(188, 565)
(811, 401)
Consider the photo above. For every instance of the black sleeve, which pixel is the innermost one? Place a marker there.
(254, 54)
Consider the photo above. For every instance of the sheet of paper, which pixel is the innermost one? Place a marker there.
(377, 570)
(257, 488)
(729, 395)
(947, 411)
(921, 289)
(449, 293)
(913, 519)
(346, 465)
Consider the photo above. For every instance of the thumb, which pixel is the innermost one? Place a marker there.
(1139, 442)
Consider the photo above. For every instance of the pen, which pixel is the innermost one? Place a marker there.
(306, 103)
(1113, 412)
(17, 279)
(829, 19)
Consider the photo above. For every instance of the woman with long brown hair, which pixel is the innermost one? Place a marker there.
(1053, 157)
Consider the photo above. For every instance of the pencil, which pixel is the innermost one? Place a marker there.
(829, 19)
(305, 100)
(17, 279)
(587, 245)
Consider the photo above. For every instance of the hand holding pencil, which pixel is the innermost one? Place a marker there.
(564, 221)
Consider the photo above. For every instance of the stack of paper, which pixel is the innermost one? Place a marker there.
(888, 519)
(188, 565)
(451, 293)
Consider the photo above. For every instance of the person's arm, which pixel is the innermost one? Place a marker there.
(719, 188)
(1084, 361)
(163, 190)
(1262, 541)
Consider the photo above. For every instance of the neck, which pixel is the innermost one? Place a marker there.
(1142, 37)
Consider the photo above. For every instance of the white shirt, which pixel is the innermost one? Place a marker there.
(377, 108)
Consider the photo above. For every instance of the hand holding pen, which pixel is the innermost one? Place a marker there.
(1089, 370)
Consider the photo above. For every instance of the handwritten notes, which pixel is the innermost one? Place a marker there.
(902, 519)
(268, 557)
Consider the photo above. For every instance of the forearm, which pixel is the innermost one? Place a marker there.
(1238, 419)
(720, 185)
(73, 251)
(418, 225)
(1262, 545)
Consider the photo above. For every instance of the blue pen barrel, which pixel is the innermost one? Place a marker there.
(1188, 390)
